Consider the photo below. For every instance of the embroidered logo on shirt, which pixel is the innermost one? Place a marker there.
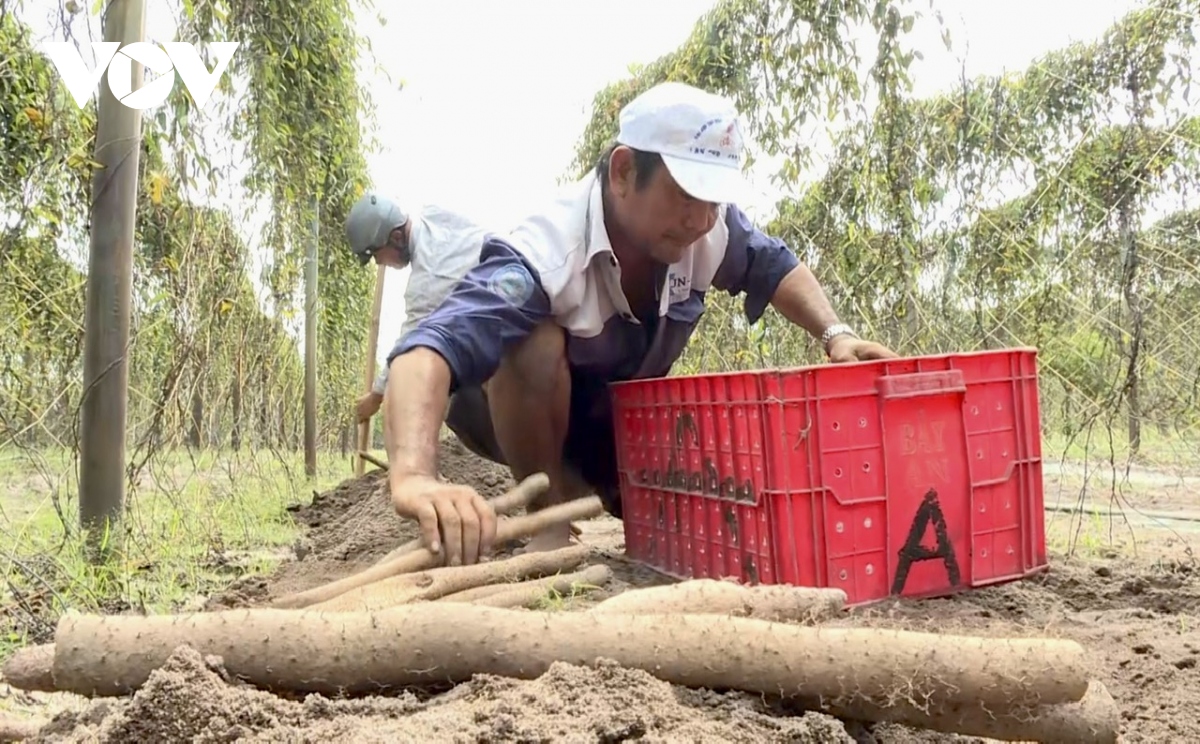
(513, 283)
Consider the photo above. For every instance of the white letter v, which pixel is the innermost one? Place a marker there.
(75, 75)
(196, 77)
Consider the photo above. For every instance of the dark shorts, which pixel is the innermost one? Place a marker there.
(590, 449)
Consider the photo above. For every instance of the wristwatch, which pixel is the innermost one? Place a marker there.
(835, 330)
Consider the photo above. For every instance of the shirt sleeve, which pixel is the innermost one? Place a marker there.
(380, 386)
(495, 305)
(754, 264)
(421, 294)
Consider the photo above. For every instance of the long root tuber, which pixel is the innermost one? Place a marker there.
(1094, 719)
(722, 597)
(359, 652)
(19, 729)
(422, 558)
(29, 668)
(438, 582)
(531, 593)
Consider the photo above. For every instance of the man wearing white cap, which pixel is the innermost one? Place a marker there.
(606, 283)
(438, 244)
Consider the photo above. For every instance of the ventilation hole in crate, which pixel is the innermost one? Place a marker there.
(837, 473)
(839, 527)
(862, 423)
(979, 455)
(836, 426)
(866, 467)
(843, 575)
(870, 569)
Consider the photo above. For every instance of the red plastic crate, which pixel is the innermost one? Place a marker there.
(914, 477)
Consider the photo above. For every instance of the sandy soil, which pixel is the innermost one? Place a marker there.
(1138, 617)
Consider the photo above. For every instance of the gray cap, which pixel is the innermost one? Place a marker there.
(370, 222)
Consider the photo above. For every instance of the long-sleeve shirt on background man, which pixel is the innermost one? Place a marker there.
(561, 264)
(445, 245)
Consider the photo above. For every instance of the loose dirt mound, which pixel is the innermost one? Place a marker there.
(1138, 619)
(190, 699)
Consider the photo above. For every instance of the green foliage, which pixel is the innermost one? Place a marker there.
(785, 63)
(301, 120)
(211, 362)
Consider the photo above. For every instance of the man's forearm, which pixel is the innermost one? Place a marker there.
(416, 410)
(800, 299)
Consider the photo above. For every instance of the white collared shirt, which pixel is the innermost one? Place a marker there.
(558, 264)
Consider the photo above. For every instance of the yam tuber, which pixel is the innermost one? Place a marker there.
(438, 582)
(29, 668)
(722, 597)
(1095, 719)
(19, 729)
(422, 558)
(531, 593)
(504, 504)
(313, 651)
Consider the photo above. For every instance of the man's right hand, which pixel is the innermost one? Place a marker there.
(456, 522)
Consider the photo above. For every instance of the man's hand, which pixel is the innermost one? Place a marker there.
(850, 349)
(454, 515)
(367, 406)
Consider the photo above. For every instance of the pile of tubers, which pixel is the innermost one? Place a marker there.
(405, 621)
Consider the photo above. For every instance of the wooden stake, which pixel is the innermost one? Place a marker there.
(364, 428)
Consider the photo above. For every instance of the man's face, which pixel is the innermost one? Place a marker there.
(660, 219)
(395, 253)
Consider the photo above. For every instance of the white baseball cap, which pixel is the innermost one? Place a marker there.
(697, 133)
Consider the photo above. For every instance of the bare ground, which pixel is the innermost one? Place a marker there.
(1137, 616)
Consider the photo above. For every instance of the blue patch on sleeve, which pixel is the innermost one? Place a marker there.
(495, 306)
(513, 282)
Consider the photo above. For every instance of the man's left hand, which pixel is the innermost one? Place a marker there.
(849, 349)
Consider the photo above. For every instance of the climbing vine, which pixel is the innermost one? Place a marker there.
(300, 118)
(208, 355)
